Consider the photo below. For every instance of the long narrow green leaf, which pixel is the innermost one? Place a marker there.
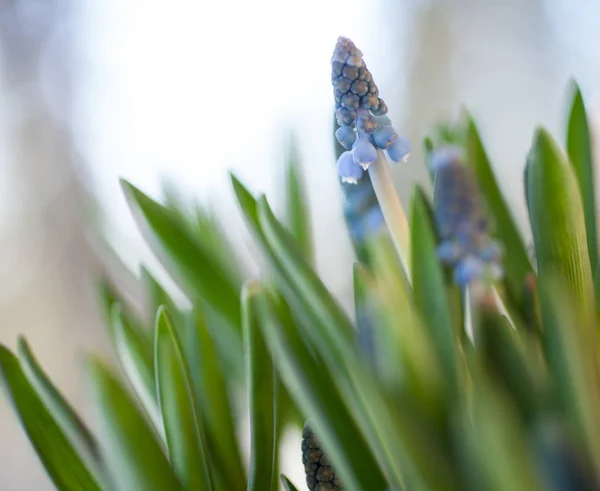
(500, 454)
(261, 393)
(579, 149)
(180, 416)
(558, 225)
(64, 414)
(572, 362)
(128, 445)
(137, 359)
(316, 394)
(296, 210)
(430, 289)
(518, 265)
(156, 294)
(307, 282)
(187, 259)
(213, 401)
(287, 485)
(62, 463)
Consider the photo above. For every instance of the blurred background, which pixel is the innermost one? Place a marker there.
(182, 91)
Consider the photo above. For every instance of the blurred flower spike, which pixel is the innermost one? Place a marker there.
(462, 222)
(361, 114)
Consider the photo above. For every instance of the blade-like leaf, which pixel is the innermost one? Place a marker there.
(137, 359)
(156, 295)
(187, 259)
(572, 362)
(287, 485)
(308, 284)
(312, 387)
(212, 398)
(180, 416)
(429, 289)
(62, 463)
(296, 210)
(128, 445)
(579, 149)
(518, 265)
(261, 393)
(557, 222)
(64, 414)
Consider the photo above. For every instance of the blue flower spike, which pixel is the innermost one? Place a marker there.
(361, 113)
(462, 222)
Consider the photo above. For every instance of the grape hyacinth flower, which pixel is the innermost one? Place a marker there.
(361, 114)
(462, 223)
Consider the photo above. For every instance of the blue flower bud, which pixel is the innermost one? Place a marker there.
(350, 72)
(381, 108)
(348, 169)
(364, 153)
(490, 252)
(370, 102)
(351, 101)
(383, 121)
(342, 83)
(365, 122)
(385, 136)
(468, 270)
(399, 150)
(345, 136)
(359, 87)
(345, 116)
(449, 252)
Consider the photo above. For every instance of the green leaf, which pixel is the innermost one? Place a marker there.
(571, 360)
(579, 149)
(58, 407)
(185, 258)
(306, 282)
(62, 463)
(500, 455)
(261, 393)
(557, 222)
(316, 394)
(513, 366)
(297, 212)
(130, 448)
(183, 428)
(212, 399)
(137, 359)
(287, 485)
(517, 265)
(429, 289)
(156, 294)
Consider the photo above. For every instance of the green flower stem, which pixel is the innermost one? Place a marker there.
(392, 209)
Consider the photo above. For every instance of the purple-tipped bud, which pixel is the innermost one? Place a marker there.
(348, 169)
(350, 101)
(399, 150)
(345, 136)
(381, 108)
(359, 87)
(370, 102)
(345, 116)
(385, 136)
(364, 153)
(365, 122)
